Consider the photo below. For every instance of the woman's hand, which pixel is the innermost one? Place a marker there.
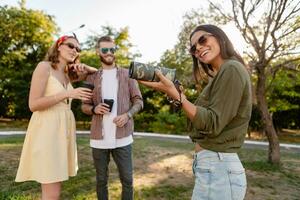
(82, 68)
(83, 94)
(167, 86)
(164, 85)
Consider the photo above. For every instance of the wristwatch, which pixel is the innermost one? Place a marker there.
(129, 115)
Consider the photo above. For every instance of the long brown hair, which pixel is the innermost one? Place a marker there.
(226, 48)
(53, 53)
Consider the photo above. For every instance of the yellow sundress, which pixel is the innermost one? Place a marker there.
(49, 152)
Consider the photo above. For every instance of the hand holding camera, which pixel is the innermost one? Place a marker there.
(173, 89)
(144, 72)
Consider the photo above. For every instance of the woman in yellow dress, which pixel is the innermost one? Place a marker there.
(49, 154)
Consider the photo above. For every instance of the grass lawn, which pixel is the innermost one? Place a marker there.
(162, 170)
(285, 136)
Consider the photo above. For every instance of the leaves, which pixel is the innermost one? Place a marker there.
(25, 36)
(124, 53)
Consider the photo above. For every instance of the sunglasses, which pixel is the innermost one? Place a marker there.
(201, 41)
(106, 50)
(72, 46)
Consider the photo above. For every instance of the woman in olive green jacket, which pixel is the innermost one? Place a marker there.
(220, 115)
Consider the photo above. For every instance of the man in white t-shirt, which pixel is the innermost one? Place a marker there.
(112, 125)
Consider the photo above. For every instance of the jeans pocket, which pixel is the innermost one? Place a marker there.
(238, 184)
(202, 183)
(203, 175)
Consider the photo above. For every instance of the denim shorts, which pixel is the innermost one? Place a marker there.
(218, 176)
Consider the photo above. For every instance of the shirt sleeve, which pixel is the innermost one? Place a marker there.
(224, 100)
(135, 97)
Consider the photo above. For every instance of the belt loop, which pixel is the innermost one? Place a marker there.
(220, 155)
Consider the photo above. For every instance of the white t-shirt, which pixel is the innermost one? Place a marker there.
(110, 91)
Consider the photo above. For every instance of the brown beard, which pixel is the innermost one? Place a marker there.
(103, 60)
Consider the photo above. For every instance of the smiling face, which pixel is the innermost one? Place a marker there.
(206, 48)
(106, 52)
(69, 50)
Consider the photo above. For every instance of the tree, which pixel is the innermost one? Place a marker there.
(25, 36)
(284, 100)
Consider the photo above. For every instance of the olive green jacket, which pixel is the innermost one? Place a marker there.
(224, 109)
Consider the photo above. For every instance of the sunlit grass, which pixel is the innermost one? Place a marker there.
(162, 171)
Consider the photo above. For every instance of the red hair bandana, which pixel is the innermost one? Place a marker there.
(61, 39)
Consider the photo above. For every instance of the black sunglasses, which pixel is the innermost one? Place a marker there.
(106, 50)
(201, 41)
(72, 46)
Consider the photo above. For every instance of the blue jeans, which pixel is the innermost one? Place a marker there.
(123, 159)
(218, 176)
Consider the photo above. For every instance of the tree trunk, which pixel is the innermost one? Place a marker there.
(274, 149)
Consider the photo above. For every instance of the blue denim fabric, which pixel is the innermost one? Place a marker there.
(123, 159)
(218, 176)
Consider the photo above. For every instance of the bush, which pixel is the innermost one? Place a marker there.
(289, 119)
(255, 123)
(166, 122)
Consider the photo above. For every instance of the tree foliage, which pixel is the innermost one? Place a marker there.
(285, 92)
(25, 36)
(284, 100)
(124, 53)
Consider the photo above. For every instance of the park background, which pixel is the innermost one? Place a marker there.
(269, 42)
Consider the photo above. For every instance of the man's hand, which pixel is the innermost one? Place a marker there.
(101, 109)
(121, 120)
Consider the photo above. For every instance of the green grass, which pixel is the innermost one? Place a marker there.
(286, 136)
(162, 171)
(13, 125)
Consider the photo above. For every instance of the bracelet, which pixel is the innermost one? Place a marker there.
(177, 103)
(93, 110)
(182, 99)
